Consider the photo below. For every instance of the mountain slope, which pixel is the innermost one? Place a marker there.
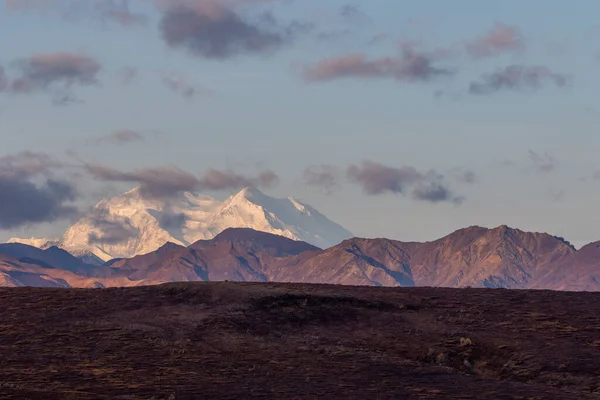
(480, 257)
(373, 262)
(52, 257)
(579, 272)
(235, 254)
(129, 225)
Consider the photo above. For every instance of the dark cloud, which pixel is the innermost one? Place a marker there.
(211, 30)
(517, 77)
(113, 230)
(56, 73)
(171, 220)
(181, 85)
(544, 163)
(30, 193)
(24, 203)
(122, 136)
(325, 177)
(411, 66)
(501, 39)
(435, 192)
(376, 179)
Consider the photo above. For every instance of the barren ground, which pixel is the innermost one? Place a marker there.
(266, 341)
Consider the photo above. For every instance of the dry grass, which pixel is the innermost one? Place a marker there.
(231, 341)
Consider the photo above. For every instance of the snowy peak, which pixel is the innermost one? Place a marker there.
(250, 208)
(128, 225)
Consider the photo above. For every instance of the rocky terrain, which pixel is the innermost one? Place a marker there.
(283, 341)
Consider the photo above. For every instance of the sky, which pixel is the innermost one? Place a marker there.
(398, 119)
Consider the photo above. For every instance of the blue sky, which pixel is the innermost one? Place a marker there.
(528, 143)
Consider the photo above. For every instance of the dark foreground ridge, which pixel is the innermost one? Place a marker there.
(292, 341)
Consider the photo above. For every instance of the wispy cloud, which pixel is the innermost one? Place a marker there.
(106, 11)
(354, 14)
(215, 179)
(55, 73)
(501, 39)
(517, 77)
(182, 85)
(410, 66)
(325, 177)
(544, 163)
(127, 75)
(122, 136)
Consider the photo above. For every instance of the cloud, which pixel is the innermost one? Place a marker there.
(3, 79)
(214, 179)
(122, 136)
(325, 177)
(66, 100)
(181, 85)
(118, 11)
(54, 72)
(543, 163)
(24, 203)
(159, 182)
(501, 39)
(517, 77)
(354, 15)
(211, 30)
(27, 164)
(435, 192)
(411, 66)
(556, 195)
(172, 220)
(466, 176)
(30, 193)
(376, 179)
(166, 182)
(106, 11)
(113, 230)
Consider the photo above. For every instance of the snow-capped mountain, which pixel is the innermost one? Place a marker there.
(130, 225)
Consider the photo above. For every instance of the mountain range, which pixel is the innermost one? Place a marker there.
(132, 224)
(479, 257)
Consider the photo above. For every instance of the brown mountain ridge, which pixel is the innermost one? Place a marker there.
(502, 257)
